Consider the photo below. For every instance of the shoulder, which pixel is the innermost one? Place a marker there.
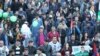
(50, 43)
(36, 54)
(44, 54)
(58, 43)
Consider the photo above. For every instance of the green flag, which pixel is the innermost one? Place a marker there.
(85, 53)
(98, 18)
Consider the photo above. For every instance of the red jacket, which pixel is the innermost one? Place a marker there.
(51, 35)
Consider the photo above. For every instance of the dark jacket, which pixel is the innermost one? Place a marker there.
(20, 50)
(47, 50)
(15, 6)
(74, 43)
(32, 50)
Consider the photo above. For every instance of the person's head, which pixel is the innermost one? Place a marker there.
(30, 43)
(17, 25)
(1, 43)
(9, 9)
(73, 37)
(37, 16)
(26, 23)
(5, 25)
(16, 0)
(25, 51)
(82, 49)
(46, 42)
(63, 22)
(39, 50)
(21, 1)
(53, 28)
(20, 9)
(54, 39)
(58, 54)
(76, 18)
(87, 19)
(7, 0)
(29, 6)
(66, 45)
(97, 37)
(86, 35)
(18, 43)
(88, 25)
(41, 29)
(44, 16)
(46, 22)
(11, 52)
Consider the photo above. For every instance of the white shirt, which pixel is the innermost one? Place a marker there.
(25, 30)
(55, 47)
(4, 48)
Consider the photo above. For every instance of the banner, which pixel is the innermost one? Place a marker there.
(77, 49)
(98, 18)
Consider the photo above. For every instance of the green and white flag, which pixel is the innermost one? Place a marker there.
(98, 18)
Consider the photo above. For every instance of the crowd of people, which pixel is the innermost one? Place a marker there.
(50, 28)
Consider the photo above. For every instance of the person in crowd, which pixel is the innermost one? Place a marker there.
(31, 48)
(9, 11)
(4, 51)
(58, 54)
(23, 4)
(30, 14)
(11, 53)
(86, 39)
(89, 29)
(45, 8)
(15, 5)
(41, 36)
(53, 33)
(25, 30)
(7, 3)
(36, 23)
(73, 41)
(47, 49)
(62, 27)
(17, 32)
(94, 44)
(66, 49)
(99, 49)
(39, 52)
(56, 46)
(18, 48)
(25, 53)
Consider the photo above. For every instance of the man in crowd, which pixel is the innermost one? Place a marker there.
(31, 48)
(47, 48)
(56, 46)
(4, 51)
(18, 48)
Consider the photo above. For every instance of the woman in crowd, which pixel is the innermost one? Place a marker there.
(66, 50)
